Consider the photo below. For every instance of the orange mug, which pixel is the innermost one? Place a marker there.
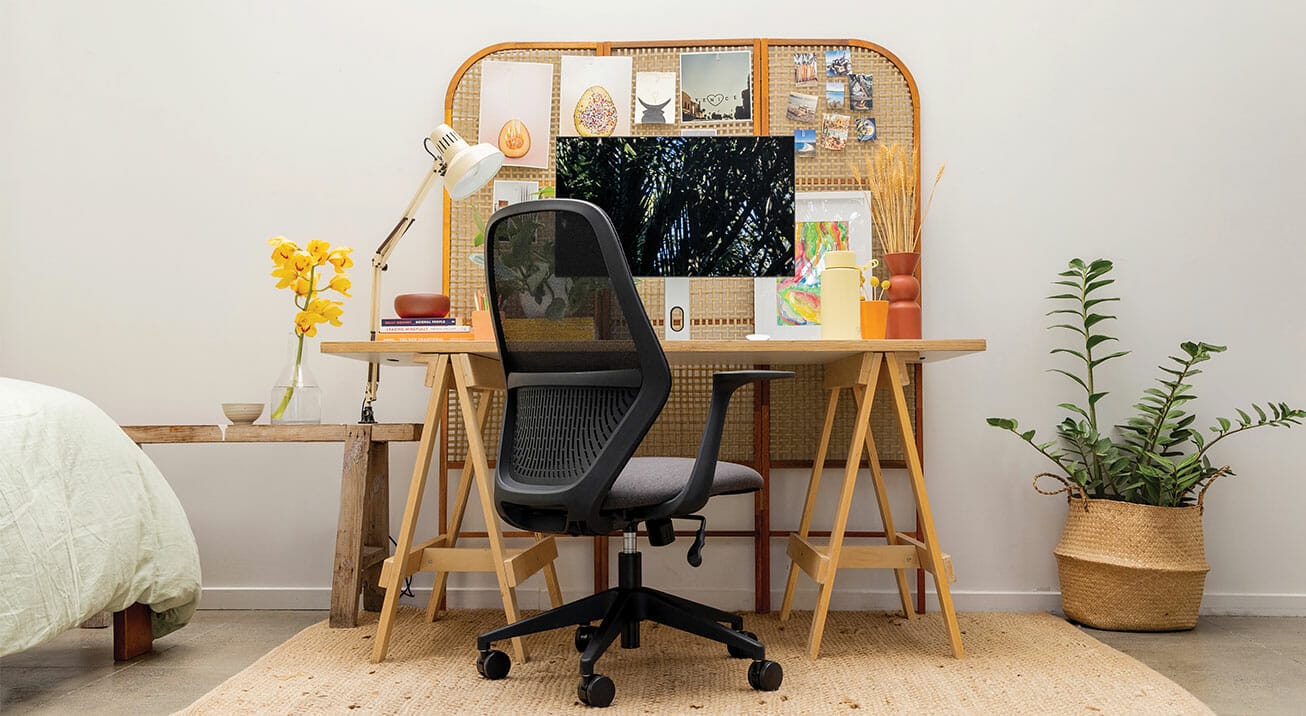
(875, 316)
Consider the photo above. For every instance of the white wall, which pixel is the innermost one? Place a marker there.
(151, 147)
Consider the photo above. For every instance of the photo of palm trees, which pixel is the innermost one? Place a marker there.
(690, 206)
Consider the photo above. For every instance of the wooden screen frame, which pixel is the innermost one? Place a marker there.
(761, 98)
(762, 532)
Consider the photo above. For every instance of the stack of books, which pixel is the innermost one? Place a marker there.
(423, 329)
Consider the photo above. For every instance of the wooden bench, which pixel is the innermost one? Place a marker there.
(363, 530)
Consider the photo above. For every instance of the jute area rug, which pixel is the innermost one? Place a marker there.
(870, 663)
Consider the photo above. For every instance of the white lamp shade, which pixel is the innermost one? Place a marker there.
(468, 167)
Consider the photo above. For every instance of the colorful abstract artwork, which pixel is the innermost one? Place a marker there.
(798, 299)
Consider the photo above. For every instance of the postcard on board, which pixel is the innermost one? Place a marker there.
(834, 131)
(802, 107)
(516, 109)
(859, 93)
(716, 86)
(834, 96)
(594, 97)
(806, 68)
(655, 94)
(838, 63)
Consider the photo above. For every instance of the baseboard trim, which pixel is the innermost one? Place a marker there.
(1254, 605)
(1222, 604)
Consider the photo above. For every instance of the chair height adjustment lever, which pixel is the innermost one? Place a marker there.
(695, 556)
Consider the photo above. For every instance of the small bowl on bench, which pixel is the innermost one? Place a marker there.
(242, 413)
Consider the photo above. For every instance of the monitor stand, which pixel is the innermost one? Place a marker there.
(675, 312)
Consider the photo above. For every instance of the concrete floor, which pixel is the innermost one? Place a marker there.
(1237, 665)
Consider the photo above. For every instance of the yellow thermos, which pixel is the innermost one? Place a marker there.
(841, 286)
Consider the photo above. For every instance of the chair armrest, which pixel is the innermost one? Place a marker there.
(732, 380)
(724, 384)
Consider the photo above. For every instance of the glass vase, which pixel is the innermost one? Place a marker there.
(296, 397)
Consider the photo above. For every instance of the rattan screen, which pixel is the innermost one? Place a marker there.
(797, 406)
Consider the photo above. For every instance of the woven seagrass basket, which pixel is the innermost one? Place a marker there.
(1130, 567)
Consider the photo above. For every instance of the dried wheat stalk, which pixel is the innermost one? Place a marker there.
(890, 183)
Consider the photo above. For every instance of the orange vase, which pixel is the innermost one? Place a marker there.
(904, 312)
(875, 314)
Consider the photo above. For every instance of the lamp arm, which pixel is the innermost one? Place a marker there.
(379, 261)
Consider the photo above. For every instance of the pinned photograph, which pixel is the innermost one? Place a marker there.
(716, 86)
(838, 63)
(834, 95)
(865, 129)
(594, 97)
(507, 193)
(802, 108)
(834, 131)
(516, 109)
(859, 93)
(655, 93)
(804, 142)
(805, 68)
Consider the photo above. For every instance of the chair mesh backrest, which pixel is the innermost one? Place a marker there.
(560, 431)
(576, 345)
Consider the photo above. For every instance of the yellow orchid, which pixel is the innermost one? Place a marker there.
(327, 309)
(286, 275)
(306, 323)
(301, 261)
(340, 258)
(340, 283)
(282, 250)
(297, 269)
(318, 251)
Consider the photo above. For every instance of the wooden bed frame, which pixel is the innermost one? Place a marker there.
(133, 633)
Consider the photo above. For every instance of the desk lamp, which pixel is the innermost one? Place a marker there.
(462, 169)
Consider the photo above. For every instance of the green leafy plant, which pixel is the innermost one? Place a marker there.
(1156, 457)
(528, 269)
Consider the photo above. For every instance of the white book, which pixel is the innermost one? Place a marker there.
(425, 329)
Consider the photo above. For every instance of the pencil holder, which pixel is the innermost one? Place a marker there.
(482, 328)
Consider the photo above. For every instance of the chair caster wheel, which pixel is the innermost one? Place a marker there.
(584, 633)
(596, 690)
(493, 664)
(765, 675)
(740, 653)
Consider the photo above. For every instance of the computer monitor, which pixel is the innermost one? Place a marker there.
(688, 206)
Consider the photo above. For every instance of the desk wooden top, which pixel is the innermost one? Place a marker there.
(770, 352)
(264, 433)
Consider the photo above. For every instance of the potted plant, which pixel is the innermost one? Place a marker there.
(1131, 556)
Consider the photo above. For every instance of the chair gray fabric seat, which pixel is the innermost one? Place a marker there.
(653, 480)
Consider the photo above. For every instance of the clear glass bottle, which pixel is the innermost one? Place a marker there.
(296, 396)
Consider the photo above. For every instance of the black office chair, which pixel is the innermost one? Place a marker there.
(578, 405)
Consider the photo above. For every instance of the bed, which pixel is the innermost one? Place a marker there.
(87, 524)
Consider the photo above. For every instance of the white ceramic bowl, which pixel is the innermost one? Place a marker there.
(242, 412)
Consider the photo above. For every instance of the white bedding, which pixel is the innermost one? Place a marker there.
(87, 522)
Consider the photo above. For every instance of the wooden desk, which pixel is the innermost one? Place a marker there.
(363, 529)
(854, 365)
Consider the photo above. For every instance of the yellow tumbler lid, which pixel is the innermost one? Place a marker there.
(840, 259)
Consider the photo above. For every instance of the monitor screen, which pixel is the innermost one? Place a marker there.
(689, 206)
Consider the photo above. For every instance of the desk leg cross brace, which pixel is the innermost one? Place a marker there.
(903, 552)
(464, 374)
